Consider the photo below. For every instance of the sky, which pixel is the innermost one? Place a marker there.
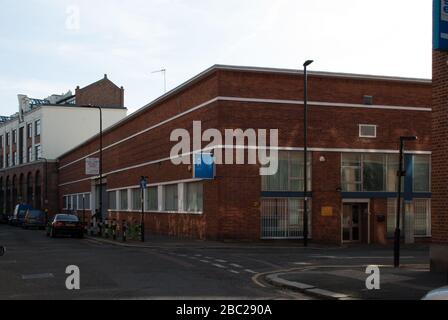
(52, 46)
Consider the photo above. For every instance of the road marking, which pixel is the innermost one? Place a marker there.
(198, 255)
(234, 271)
(236, 266)
(210, 258)
(302, 263)
(219, 266)
(8, 262)
(205, 261)
(221, 261)
(37, 276)
(250, 271)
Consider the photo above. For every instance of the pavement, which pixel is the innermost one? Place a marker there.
(178, 269)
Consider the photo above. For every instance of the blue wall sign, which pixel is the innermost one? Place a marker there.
(203, 166)
(440, 25)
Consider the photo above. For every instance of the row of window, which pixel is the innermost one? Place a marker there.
(13, 159)
(184, 197)
(378, 173)
(359, 173)
(75, 202)
(29, 130)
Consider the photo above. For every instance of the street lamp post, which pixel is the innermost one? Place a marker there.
(400, 174)
(305, 154)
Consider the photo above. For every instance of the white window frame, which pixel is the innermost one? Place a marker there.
(361, 135)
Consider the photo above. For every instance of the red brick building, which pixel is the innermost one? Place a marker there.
(355, 122)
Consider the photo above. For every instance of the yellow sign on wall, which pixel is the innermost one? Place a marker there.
(327, 211)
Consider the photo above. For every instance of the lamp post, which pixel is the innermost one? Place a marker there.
(305, 154)
(100, 109)
(400, 174)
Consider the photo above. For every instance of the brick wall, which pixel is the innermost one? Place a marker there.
(232, 201)
(440, 145)
(101, 93)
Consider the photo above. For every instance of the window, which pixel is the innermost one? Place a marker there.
(422, 217)
(391, 173)
(38, 152)
(112, 200)
(65, 202)
(14, 136)
(152, 201)
(75, 202)
(87, 201)
(124, 200)
(69, 202)
(194, 197)
(351, 173)
(136, 199)
(282, 218)
(84, 205)
(29, 130)
(8, 160)
(30, 154)
(8, 142)
(37, 127)
(14, 158)
(374, 172)
(289, 177)
(81, 204)
(369, 172)
(1, 142)
(422, 173)
(367, 100)
(170, 197)
(367, 131)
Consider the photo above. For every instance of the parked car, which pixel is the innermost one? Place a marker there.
(18, 216)
(34, 219)
(438, 294)
(65, 225)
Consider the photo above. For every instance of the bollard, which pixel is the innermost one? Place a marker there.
(124, 227)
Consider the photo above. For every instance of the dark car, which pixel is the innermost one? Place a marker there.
(18, 217)
(34, 219)
(65, 225)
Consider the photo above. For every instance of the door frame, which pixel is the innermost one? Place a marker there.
(356, 201)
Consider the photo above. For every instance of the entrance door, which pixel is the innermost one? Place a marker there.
(352, 221)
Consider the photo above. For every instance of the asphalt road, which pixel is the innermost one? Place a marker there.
(34, 268)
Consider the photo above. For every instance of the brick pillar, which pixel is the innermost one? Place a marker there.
(439, 248)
